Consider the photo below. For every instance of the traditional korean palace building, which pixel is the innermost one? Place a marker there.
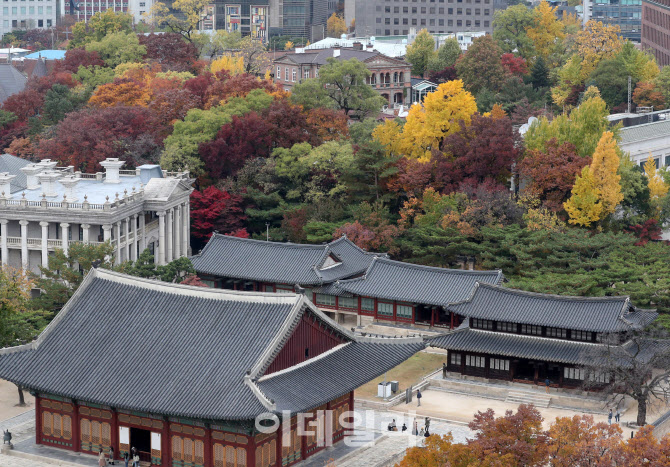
(528, 337)
(354, 286)
(181, 373)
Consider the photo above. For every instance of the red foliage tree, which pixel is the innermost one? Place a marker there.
(24, 104)
(236, 86)
(549, 175)
(446, 74)
(213, 209)
(74, 58)
(244, 138)
(287, 124)
(86, 137)
(172, 104)
(194, 281)
(293, 224)
(514, 65)
(327, 124)
(170, 50)
(199, 86)
(485, 150)
(11, 132)
(412, 178)
(649, 231)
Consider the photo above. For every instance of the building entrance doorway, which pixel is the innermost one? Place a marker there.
(524, 371)
(141, 440)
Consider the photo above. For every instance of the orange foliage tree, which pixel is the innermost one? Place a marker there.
(123, 91)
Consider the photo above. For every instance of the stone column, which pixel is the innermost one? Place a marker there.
(168, 236)
(127, 246)
(24, 243)
(106, 232)
(177, 232)
(188, 227)
(45, 243)
(143, 233)
(185, 221)
(117, 229)
(85, 230)
(161, 238)
(3, 240)
(133, 250)
(64, 230)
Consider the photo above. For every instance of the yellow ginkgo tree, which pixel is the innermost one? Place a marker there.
(597, 191)
(657, 187)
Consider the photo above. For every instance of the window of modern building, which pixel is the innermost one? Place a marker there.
(413, 21)
(431, 22)
(423, 22)
(440, 22)
(387, 20)
(423, 10)
(31, 10)
(15, 10)
(387, 9)
(396, 9)
(405, 21)
(405, 9)
(396, 21)
(459, 11)
(379, 20)
(441, 10)
(293, 75)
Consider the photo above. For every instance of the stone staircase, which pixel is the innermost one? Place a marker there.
(523, 397)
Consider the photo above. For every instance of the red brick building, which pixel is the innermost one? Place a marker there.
(656, 29)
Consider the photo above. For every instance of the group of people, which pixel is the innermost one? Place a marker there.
(617, 416)
(425, 430)
(133, 456)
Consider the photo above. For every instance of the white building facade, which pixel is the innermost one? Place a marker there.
(653, 139)
(29, 14)
(44, 208)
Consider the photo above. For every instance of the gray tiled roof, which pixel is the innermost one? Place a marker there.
(645, 131)
(11, 81)
(336, 373)
(287, 263)
(395, 280)
(13, 164)
(516, 346)
(596, 314)
(176, 350)
(321, 56)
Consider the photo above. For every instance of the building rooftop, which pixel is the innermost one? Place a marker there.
(12, 165)
(595, 314)
(47, 54)
(632, 134)
(194, 352)
(11, 81)
(414, 283)
(286, 263)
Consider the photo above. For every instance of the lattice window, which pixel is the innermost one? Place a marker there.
(47, 423)
(188, 450)
(230, 456)
(259, 457)
(67, 427)
(241, 457)
(95, 432)
(85, 431)
(219, 454)
(106, 434)
(57, 433)
(176, 448)
(199, 452)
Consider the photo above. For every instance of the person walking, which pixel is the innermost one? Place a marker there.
(126, 458)
(444, 370)
(415, 428)
(102, 462)
(617, 416)
(547, 383)
(404, 428)
(427, 424)
(609, 417)
(111, 455)
(418, 397)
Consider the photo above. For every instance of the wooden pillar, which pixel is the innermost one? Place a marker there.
(432, 316)
(536, 373)
(451, 317)
(561, 369)
(251, 452)
(376, 317)
(166, 444)
(208, 447)
(76, 436)
(38, 419)
(115, 433)
(303, 441)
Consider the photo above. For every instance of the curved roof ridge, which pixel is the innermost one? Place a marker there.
(547, 296)
(364, 276)
(182, 289)
(438, 268)
(312, 246)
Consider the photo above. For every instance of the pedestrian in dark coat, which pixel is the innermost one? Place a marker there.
(418, 397)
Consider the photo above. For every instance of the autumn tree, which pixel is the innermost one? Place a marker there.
(480, 66)
(230, 64)
(546, 31)
(341, 85)
(122, 91)
(486, 149)
(581, 441)
(117, 48)
(421, 52)
(78, 57)
(100, 25)
(597, 42)
(215, 210)
(440, 116)
(447, 55)
(170, 50)
(658, 189)
(335, 26)
(185, 21)
(550, 174)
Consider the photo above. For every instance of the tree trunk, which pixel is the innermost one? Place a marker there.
(641, 412)
(22, 400)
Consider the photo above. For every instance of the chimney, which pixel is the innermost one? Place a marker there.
(5, 184)
(357, 45)
(336, 52)
(48, 181)
(70, 184)
(31, 171)
(112, 167)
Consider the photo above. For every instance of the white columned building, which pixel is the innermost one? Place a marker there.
(44, 207)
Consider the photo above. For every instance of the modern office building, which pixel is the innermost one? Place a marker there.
(627, 14)
(249, 17)
(387, 18)
(28, 14)
(83, 10)
(656, 29)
